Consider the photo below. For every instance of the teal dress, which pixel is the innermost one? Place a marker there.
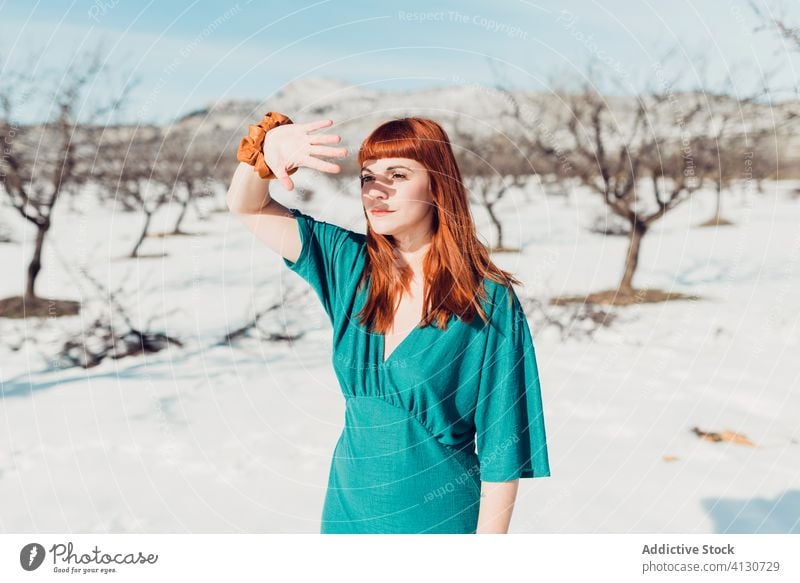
(406, 460)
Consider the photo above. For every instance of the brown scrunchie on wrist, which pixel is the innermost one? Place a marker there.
(251, 147)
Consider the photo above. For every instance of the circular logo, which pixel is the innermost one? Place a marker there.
(31, 556)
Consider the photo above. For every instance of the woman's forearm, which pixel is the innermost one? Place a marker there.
(497, 504)
(248, 192)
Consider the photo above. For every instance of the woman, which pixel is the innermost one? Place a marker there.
(430, 344)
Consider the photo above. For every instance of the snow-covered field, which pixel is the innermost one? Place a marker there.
(210, 438)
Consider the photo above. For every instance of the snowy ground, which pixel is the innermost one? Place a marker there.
(221, 439)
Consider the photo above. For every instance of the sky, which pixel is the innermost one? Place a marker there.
(185, 55)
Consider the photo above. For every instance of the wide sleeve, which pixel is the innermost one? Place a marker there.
(327, 260)
(509, 418)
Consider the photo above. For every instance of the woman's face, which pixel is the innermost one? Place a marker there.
(402, 186)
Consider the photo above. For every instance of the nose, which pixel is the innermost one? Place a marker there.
(374, 192)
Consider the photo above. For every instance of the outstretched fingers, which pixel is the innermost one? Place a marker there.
(316, 125)
(321, 165)
(327, 151)
(324, 139)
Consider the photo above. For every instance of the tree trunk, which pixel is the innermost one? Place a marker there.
(497, 225)
(638, 230)
(135, 251)
(184, 207)
(35, 266)
(719, 201)
(198, 210)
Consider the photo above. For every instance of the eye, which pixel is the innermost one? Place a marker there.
(369, 178)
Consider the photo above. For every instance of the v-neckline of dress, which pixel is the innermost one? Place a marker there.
(406, 338)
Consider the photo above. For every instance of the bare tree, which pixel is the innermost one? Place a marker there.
(538, 139)
(185, 161)
(746, 158)
(130, 176)
(143, 184)
(491, 166)
(741, 135)
(776, 21)
(641, 159)
(41, 162)
(219, 173)
(765, 156)
(647, 157)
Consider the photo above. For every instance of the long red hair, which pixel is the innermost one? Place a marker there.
(456, 263)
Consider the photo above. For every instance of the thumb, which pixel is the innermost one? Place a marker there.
(283, 176)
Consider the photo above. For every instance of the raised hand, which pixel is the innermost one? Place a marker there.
(292, 145)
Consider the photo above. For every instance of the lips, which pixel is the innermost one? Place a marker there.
(380, 212)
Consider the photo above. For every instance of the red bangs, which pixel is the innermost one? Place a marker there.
(400, 138)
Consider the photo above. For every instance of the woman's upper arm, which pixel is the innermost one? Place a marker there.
(275, 226)
(324, 254)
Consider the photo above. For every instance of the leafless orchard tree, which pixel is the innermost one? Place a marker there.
(491, 166)
(186, 161)
(41, 162)
(539, 140)
(647, 158)
(131, 177)
(146, 183)
(778, 22)
(773, 19)
(740, 159)
(742, 141)
(218, 172)
(641, 159)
